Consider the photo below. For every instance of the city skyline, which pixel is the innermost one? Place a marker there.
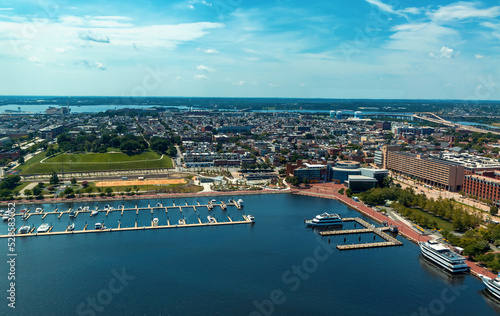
(362, 49)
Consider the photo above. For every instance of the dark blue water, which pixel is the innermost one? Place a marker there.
(275, 266)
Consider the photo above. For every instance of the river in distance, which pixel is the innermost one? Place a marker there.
(276, 266)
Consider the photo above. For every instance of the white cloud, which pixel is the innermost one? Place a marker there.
(420, 37)
(92, 37)
(209, 50)
(479, 56)
(461, 11)
(239, 83)
(99, 65)
(200, 77)
(204, 68)
(444, 52)
(390, 9)
(34, 59)
(6, 9)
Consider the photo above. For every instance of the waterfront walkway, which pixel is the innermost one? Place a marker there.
(330, 191)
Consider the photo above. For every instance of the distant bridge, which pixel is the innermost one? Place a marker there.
(431, 117)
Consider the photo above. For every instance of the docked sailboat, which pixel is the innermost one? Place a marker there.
(443, 256)
(325, 220)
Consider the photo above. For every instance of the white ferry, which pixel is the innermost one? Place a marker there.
(443, 256)
(492, 285)
(325, 220)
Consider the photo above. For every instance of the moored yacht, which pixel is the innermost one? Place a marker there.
(211, 219)
(71, 227)
(251, 218)
(493, 285)
(24, 230)
(182, 221)
(443, 256)
(94, 213)
(43, 228)
(155, 221)
(325, 220)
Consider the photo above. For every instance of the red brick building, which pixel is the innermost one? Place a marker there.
(485, 185)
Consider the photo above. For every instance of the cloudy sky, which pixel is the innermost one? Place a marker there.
(239, 48)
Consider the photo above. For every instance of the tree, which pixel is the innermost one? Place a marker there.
(348, 193)
(85, 184)
(21, 160)
(494, 210)
(73, 181)
(108, 191)
(68, 191)
(28, 192)
(54, 179)
(10, 182)
(37, 190)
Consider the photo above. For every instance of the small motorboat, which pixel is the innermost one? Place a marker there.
(94, 213)
(71, 227)
(182, 221)
(72, 213)
(24, 229)
(158, 204)
(106, 207)
(155, 221)
(211, 219)
(1, 212)
(99, 226)
(251, 218)
(43, 228)
(393, 229)
(213, 201)
(80, 208)
(38, 209)
(210, 207)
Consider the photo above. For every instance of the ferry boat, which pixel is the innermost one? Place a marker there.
(211, 219)
(492, 285)
(43, 228)
(155, 221)
(251, 218)
(443, 256)
(325, 220)
(24, 229)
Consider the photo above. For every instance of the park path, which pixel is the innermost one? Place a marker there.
(28, 187)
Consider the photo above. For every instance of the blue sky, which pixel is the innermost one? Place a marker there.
(239, 48)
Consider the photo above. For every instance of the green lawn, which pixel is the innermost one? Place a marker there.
(442, 224)
(25, 167)
(97, 162)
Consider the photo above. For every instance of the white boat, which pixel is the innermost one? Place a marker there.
(223, 206)
(99, 226)
(71, 227)
(325, 220)
(1, 212)
(213, 201)
(210, 206)
(43, 228)
(493, 285)
(38, 210)
(211, 219)
(393, 229)
(443, 256)
(155, 221)
(80, 208)
(158, 204)
(251, 218)
(240, 202)
(106, 207)
(94, 213)
(6, 217)
(182, 221)
(24, 230)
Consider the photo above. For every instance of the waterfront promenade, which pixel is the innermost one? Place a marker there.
(330, 191)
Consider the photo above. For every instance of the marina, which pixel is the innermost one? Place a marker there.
(46, 229)
(178, 262)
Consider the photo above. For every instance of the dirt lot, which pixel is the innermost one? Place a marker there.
(118, 183)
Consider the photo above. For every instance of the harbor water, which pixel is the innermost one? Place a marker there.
(276, 266)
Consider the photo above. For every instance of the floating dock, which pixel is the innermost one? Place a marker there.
(368, 228)
(85, 230)
(122, 209)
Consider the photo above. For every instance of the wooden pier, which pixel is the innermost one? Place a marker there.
(137, 209)
(368, 228)
(136, 227)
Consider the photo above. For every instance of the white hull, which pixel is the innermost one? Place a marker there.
(442, 261)
(491, 286)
